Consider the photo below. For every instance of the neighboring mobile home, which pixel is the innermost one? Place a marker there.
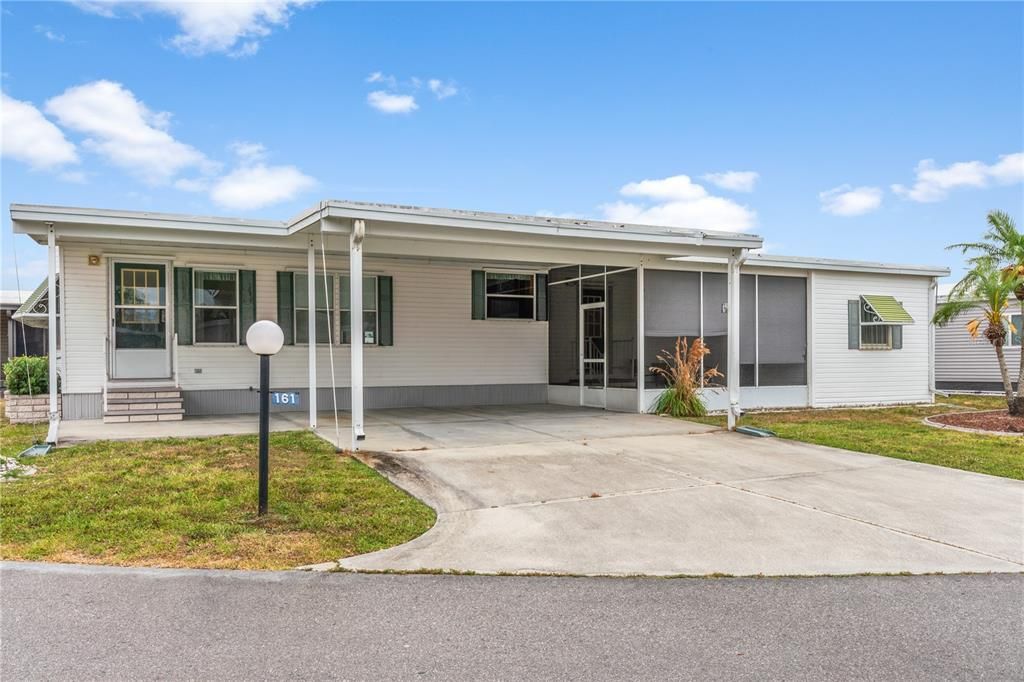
(463, 308)
(963, 363)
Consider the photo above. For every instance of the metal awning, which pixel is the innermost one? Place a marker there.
(33, 312)
(887, 309)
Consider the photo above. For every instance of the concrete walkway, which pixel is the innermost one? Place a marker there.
(559, 490)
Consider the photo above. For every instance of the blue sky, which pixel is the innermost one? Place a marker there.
(812, 125)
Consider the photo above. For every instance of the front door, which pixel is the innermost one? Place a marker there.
(592, 355)
(139, 330)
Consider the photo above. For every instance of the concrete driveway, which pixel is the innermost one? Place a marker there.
(560, 490)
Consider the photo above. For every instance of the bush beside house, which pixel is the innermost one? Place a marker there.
(27, 399)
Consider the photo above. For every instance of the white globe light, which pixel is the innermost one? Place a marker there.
(264, 338)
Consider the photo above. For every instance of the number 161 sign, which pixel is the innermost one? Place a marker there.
(282, 398)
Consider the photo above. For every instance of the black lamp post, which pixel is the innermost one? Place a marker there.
(264, 338)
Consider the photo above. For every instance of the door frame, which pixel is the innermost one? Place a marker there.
(585, 391)
(168, 265)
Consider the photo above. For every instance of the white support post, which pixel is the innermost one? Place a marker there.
(311, 327)
(641, 370)
(52, 328)
(732, 377)
(355, 279)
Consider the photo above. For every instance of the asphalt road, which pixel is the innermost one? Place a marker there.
(61, 622)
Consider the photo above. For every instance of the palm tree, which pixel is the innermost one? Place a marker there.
(986, 291)
(1004, 244)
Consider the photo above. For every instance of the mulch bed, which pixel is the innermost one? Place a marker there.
(995, 420)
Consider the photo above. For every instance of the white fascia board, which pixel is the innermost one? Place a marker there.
(805, 263)
(26, 217)
(538, 225)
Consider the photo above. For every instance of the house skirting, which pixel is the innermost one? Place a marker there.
(980, 386)
(244, 401)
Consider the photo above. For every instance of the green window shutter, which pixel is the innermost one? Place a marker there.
(286, 306)
(246, 302)
(346, 316)
(183, 305)
(897, 337)
(385, 312)
(853, 324)
(479, 295)
(541, 287)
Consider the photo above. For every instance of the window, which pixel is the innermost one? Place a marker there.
(370, 309)
(874, 334)
(1015, 336)
(215, 306)
(509, 296)
(324, 306)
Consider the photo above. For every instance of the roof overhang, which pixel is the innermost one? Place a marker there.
(384, 222)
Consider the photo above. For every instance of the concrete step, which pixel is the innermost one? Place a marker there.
(148, 415)
(145, 399)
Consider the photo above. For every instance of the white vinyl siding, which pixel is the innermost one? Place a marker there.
(841, 376)
(435, 341)
(959, 358)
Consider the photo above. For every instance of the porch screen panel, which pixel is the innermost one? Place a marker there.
(716, 295)
(621, 306)
(671, 309)
(563, 334)
(782, 323)
(748, 328)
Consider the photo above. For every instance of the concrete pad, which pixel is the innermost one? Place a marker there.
(984, 513)
(524, 473)
(701, 530)
(610, 426)
(726, 457)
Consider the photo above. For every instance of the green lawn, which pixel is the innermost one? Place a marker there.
(192, 502)
(898, 432)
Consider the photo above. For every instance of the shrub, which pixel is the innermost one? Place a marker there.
(26, 372)
(681, 371)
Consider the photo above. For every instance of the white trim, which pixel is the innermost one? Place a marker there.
(311, 326)
(641, 342)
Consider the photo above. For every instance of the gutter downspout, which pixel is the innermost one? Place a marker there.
(52, 330)
(732, 377)
(933, 297)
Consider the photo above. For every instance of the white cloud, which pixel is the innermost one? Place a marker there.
(49, 33)
(933, 183)
(847, 200)
(256, 186)
(249, 151)
(1008, 169)
(736, 181)
(441, 89)
(27, 135)
(674, 188)
(234, 27)
(678, 202)
(390, 103)
(379, 77)
(123, 130)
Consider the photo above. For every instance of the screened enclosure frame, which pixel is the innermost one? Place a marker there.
(751, 333)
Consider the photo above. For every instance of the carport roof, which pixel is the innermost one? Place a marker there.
(29, 218)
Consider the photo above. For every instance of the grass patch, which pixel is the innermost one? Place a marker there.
(898, 432)
(192, 503)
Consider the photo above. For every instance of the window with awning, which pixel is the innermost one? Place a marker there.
(876, 322)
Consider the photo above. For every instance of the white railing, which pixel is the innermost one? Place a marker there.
(106, 369)
(174, 359)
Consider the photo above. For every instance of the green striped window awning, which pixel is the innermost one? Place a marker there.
(887, 309)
